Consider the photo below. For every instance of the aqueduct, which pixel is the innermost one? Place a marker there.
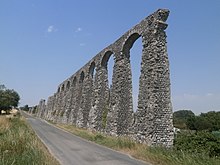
(86, 100)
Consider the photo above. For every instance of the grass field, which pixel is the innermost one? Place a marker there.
(157, 156)
(20, 146)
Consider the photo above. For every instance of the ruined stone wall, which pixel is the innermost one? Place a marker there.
(41, 108)
(85, 100)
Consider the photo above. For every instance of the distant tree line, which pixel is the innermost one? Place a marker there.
(186, 119)
(32, 109)
(25, 108)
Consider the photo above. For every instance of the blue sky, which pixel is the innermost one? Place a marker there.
(43, 42)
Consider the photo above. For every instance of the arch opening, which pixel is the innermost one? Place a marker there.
(129, 43)
(133, 51)
(105, 59)
(63, 87)
(92, 70)
(82, 76)
(68, 85)
(108, 65)
(74, 82)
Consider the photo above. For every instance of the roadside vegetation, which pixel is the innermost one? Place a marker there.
(191, 147)
(20, 146)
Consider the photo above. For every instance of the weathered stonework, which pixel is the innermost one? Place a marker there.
(85, 100)
(41, 108)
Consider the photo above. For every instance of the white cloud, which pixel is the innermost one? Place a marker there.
(51, 28)
(82, 44)
(209, 94)
(79, 29)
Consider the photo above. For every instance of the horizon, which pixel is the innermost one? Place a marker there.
(45, 42)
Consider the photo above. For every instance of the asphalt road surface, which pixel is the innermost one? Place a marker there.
(72, 150)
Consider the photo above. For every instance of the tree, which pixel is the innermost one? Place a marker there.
(190, 123)
(213, 118)
(180, 118)
(8, 98)
(200, 142)
(202, 123)
(209, 121)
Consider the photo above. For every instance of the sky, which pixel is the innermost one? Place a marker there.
(43, 42)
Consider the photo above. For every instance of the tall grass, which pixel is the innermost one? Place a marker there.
(20, 146)
(154, 155)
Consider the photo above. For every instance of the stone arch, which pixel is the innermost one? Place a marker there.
(129, 43)
(82, 76)
(106, 69)
(87, 91)
(105, 58)
(65, 101)
(92, 69)
(74, 82)
(81, 95)
(67, 85)
(106, 86)
(135, 75)
(63, 87)
(107, 66)
(58, 90)
(73, 102)
(121, 115)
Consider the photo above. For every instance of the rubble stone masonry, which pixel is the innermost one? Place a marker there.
(85, 99)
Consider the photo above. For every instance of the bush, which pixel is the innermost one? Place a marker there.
(204, 143)
(216, 133)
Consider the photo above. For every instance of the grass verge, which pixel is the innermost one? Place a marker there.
(154, 155)
(20, 146)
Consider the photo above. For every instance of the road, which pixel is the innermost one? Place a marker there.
(72, 150)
